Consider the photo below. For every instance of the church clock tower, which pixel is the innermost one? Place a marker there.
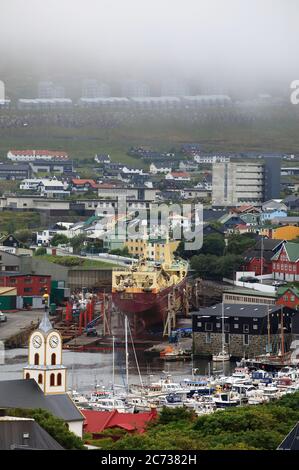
(45, 359)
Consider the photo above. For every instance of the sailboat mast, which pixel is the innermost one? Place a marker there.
(113, 364)
(262, 261)
(222, 317)
(223, 337)
(268, 329)
(282, 333)
(127, 352)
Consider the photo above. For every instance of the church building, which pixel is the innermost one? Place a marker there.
(44, 383)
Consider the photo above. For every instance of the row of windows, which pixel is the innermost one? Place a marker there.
(36, 359)
(227, 339)
(249, 300)
(285, 267)
(52, 379)
(236, 326)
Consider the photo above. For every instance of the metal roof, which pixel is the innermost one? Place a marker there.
(21, 433)
(238, 310)
(27, 394)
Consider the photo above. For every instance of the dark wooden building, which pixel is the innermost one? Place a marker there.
(247, 329)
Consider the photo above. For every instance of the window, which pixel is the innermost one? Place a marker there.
(53, 359)
(245, 328)
(209, 326)
(52, 380)
(208, 338)
(255, 327)
(27, 376)
(59, 379)
(199, 324)
(40, 378)
(226, 338)
(27, 289)
(218, 325)
(226, 327)
(36, 359)
(246, 340)
(28, 280)
(236, 326)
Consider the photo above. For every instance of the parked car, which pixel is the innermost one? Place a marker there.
(3, 318)
(248, 279)
(279, 283)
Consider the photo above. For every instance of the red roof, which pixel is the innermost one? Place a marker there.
(50, 153)
(79, 182)
(181, 174)
(98, 421)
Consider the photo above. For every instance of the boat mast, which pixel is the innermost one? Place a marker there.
(282, 333)
(113, 364)
(223, 337)
(127, 352)
(262, 254)
(268, 329)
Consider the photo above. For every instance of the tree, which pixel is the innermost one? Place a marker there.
(41, 251)
(237, 244)
(213, 244)
(59, 239)
(77, 242)
(121, 252)
(24, 235)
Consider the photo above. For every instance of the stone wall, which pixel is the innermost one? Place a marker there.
(257, 344)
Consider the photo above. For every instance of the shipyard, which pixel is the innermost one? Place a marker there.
(149, 231)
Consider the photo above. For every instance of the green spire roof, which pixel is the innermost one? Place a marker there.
(292, 250)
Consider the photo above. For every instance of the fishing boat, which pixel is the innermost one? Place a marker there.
(226, 400)
(111, 404)
(144, 290)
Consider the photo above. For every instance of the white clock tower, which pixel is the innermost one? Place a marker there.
(45, 359)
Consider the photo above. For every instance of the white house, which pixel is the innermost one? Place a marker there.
(178, 176)
(30, 184)
(32, 155)
(53, 188)
(132, 171)
(156, 169)
(210, 159)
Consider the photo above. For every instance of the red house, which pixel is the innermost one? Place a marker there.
(285, 263)
(259, 258)
(288, 296)
(97, 421)
(31, 285)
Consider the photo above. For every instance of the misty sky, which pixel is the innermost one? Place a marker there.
(229, 40)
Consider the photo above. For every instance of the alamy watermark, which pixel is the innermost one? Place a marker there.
(127, 221)
(2, 91)
(2, 353)
(294, 98)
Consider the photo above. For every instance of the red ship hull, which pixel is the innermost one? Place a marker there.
(147, 309)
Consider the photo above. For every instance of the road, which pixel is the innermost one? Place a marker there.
(16, 321)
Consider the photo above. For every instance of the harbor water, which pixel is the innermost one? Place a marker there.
(88, 370)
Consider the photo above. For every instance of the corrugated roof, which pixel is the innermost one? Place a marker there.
(238, 310)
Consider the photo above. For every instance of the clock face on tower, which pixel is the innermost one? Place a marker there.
(54, 341)
(37, 341)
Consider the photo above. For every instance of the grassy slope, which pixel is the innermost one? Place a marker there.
(276, 131)
(87, 263)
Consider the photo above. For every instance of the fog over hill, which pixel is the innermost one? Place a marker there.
(242, 44)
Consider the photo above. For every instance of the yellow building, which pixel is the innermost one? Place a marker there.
(153, 249)
(288, 232)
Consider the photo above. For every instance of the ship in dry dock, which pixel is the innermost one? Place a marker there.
(142, 290)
